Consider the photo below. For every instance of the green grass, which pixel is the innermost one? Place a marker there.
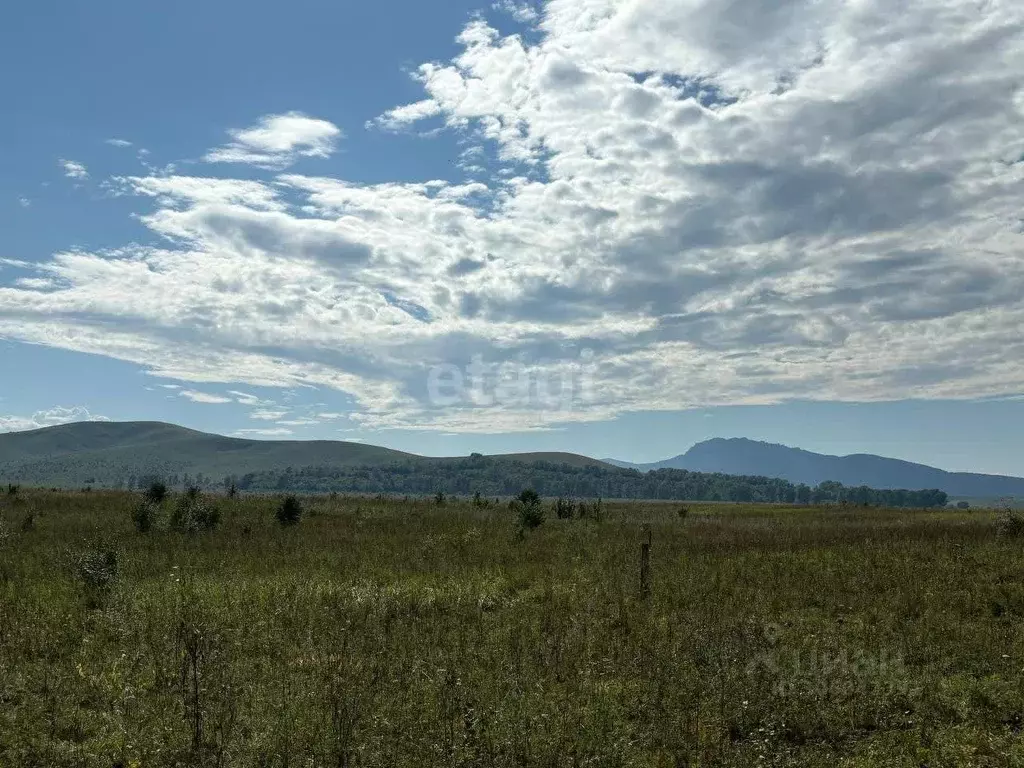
(401, 633)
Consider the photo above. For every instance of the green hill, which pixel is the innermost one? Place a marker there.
(132, 454)
(120, 454)
(114, 454)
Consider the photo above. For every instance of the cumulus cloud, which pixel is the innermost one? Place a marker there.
(118, 143)
(400, 117)
(676, 204)
(182, 191)
(277, 141)
(74, 170)
(523, 12)
(48, 418)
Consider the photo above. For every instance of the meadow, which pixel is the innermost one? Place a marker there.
(408, 632)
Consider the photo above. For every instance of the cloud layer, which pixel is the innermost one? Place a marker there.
(722, 203)
(47, 418)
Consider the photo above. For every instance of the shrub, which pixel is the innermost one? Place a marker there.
(144, 515)
(683, 512)
(440, 498)
(12, 490)
(1010, 524)
(289, 512)
(97, 570)
(193, 513)
(529, 510)
(156, 492)
(564, 508)
(528, 496)
(28, 523)
(962, 505)
(592, 511)
(531, 516)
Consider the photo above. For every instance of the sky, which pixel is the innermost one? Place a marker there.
(605, 226)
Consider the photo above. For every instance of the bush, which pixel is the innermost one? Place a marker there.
(290, 511)
(962, 505)
(529, 510)
(593, 511)
(97, 570)
(1010, 524)
(193, 513)
(440, 498)
(12, 490)
(144, 516)
(564, 508)
(528, 496)
(531, 516)
(683, 512)
(156, 492)
(28, 523)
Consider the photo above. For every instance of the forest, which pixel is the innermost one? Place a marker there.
(486, 476)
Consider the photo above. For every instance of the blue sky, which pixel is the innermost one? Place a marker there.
(580, 225)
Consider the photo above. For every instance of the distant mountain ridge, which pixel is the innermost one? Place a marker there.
(740, 456)
(133, 454)
(115, 454)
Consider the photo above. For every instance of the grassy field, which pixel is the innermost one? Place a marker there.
(404, 633)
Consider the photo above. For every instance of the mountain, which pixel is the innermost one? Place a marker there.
(112, 454)
(132, 454)
(739, 456)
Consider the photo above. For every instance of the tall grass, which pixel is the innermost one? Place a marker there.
(383, 632)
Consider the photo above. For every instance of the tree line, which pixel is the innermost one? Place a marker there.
(501, 477)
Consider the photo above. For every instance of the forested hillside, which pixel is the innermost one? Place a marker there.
(492, 477)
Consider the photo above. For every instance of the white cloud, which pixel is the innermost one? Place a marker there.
(277, 141)
(203, 397)
(297, 422)
(74, 170)
(267, 414)
(735, 204)
(522, 12)
(24, 202)
(118, 142)
(179, 191)
(245, 398)
(48, 418)
(272, 432)
(401, 117)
